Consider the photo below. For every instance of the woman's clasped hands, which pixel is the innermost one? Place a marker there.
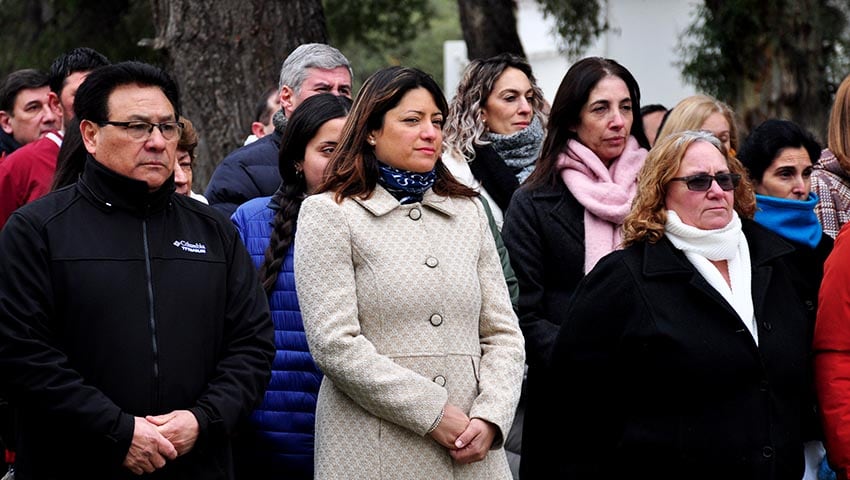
(468, 440)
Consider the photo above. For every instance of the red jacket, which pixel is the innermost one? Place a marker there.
(832, 354)
(27, 173)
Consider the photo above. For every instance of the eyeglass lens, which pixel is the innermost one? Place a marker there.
(701, 183)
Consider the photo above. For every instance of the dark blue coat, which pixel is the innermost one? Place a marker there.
(279, 440)
(247, 172)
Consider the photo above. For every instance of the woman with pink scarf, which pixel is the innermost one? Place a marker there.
(565, 217)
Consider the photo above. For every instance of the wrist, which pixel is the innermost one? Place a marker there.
(437, 421)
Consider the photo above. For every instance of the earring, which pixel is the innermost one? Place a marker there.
(371, 141)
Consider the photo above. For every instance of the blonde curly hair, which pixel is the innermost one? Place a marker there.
(646, 220)
(464, 127)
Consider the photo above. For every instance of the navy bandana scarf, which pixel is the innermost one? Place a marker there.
(406, 187)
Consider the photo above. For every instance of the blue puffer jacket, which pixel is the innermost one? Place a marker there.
(279, 441)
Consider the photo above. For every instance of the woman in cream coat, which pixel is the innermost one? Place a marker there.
(404, 303)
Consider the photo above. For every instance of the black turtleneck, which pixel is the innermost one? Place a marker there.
(113, 190)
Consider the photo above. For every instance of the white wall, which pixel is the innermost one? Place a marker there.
(643, 36)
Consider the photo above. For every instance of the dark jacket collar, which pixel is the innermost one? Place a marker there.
(7, 143)
(110, 190)
(494, 174)
(765, 246)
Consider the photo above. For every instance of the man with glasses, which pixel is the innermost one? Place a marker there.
(134, 334)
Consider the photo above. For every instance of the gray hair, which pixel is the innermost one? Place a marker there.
(293, 72)
(691, 136)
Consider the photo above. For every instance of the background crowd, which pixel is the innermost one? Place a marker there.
(390, 284)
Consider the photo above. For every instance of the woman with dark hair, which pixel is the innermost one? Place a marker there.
(278, 440)
(778, 155)
(404, 302)
(72, 157)
(495, 128)
(566, 217)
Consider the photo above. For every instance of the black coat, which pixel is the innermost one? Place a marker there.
(663, 379)
(496, 177)
(114, 303)
(544, 234)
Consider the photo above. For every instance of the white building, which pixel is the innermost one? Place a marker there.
(644, 37)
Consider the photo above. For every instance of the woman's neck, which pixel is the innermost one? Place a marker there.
(723, 267)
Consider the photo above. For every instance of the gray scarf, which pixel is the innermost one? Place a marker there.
(279, 121)
(519, 150)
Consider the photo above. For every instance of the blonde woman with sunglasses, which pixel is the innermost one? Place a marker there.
(687, 350)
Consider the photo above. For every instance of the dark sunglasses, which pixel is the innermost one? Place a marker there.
(702, 182)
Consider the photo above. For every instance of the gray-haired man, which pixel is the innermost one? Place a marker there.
(252, 170)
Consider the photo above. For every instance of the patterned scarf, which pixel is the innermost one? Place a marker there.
(606, 193)
(406, 187)
(519, 150)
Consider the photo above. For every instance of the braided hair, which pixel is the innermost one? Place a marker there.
(305, 123)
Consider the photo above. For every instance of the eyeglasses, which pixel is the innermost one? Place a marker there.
(702, 181)
(141, 130)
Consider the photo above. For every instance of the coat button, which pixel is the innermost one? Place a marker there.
(436, 319)
(763, 385)
(767, 452)
(440, 380)
(810, 305)
(431, 262)
(415, 214)
(767, 326)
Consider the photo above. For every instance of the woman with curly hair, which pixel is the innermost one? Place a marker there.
(495, 128)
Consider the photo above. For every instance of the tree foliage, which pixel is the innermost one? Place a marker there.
(577, 22)
(423, 26)
(35, 32)
(769, 58)
(379, 24)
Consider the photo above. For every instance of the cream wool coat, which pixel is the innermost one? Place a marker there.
(405, 308)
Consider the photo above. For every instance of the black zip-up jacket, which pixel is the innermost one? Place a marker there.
(114, 303)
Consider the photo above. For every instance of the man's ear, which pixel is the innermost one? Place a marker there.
(258, 129)
(55, 104)
(287, 97)
(89, 131)
(6, 122)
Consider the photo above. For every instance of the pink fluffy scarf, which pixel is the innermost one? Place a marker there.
(605, 192)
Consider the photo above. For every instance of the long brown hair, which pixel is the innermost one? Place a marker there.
(353, 169)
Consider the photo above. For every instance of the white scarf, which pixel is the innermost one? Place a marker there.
(727, 243)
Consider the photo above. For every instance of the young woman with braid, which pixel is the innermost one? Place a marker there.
(278, 440)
